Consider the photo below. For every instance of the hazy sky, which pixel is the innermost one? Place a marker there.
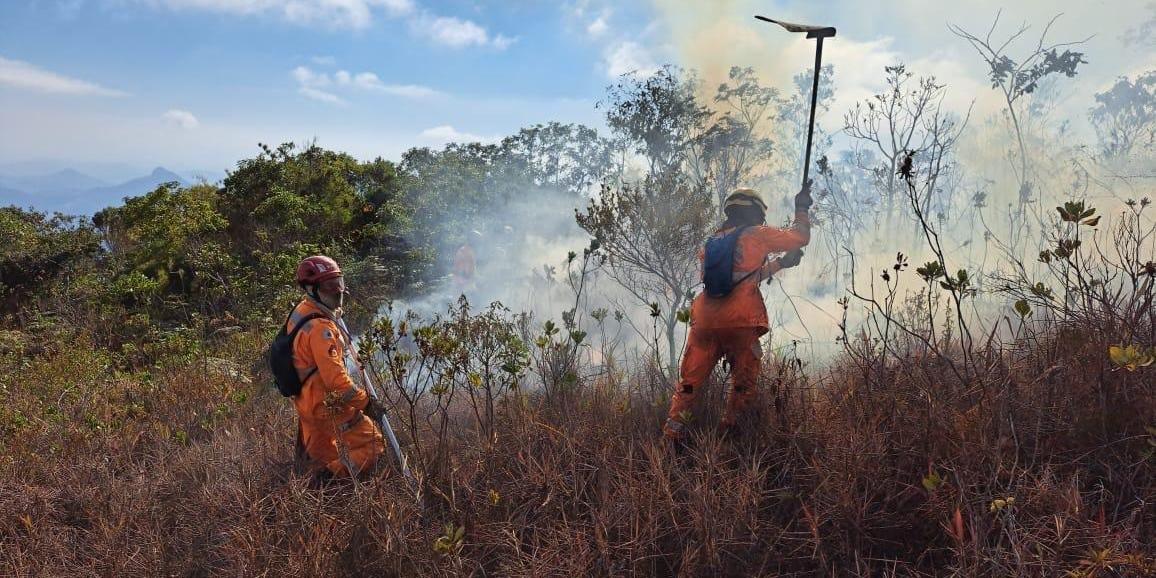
(195, 84)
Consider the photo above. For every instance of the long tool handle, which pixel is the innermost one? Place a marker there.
(814, 103)
(371, 388)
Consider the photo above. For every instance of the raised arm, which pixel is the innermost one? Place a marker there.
(779, 240)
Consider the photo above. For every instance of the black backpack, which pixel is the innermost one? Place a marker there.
(281, 358)
(719, 264)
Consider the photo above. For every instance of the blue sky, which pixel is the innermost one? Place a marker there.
(195, 84)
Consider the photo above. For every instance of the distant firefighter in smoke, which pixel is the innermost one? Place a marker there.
(465, 268)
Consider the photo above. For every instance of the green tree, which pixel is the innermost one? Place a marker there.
(292, 201)
(733, 144)
(905, 123)
(465, 187)
(1017, 79)
(313, 196)
(649, 235)
(792, 119)
(564, 157)
(173, 235)
(1125, 116)
(658, 116)
(37, 251)
(448, 192)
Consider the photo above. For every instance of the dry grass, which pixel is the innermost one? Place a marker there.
(185, 470)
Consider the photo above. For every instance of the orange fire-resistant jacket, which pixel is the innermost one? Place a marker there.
(333, 428)
(744, 307)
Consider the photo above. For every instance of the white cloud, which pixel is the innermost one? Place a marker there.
(369, 81)
(353, 14)
(457, 33)
(306, 77)
(447, 134)
(322, 86)
(413, 91)
(181, 118)
(321, 95)
(23, 75)
(627, 57)
(591, 18)
(398, 6)
(324, 60)
(598, 27)
(313, 85)
(356, 14)
(502, 42)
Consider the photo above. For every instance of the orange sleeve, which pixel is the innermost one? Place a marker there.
(776, 240)
(329, 355)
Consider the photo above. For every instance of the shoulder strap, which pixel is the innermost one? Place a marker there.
(303, 321)
(293, 336)
(734, 231)
(739, 231)
(747, 276)
(287, 318)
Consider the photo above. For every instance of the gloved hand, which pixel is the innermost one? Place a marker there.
(803, 200)
(791, 259)
(374, 410)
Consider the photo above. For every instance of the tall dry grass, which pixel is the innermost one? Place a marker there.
(890, 469)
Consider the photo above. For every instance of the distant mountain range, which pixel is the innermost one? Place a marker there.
(73, 192)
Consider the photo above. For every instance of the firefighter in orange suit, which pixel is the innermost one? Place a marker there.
(338, 432)
(731, 326)
(465, 269)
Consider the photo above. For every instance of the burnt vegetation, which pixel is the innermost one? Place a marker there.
(990, 410)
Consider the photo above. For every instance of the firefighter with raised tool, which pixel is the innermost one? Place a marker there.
(338, 434)
(729, 317)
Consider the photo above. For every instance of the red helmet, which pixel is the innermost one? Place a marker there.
(317, 269)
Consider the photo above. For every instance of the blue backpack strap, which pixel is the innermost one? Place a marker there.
(737, 233)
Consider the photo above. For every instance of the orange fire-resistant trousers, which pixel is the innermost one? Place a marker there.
(704, 348)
